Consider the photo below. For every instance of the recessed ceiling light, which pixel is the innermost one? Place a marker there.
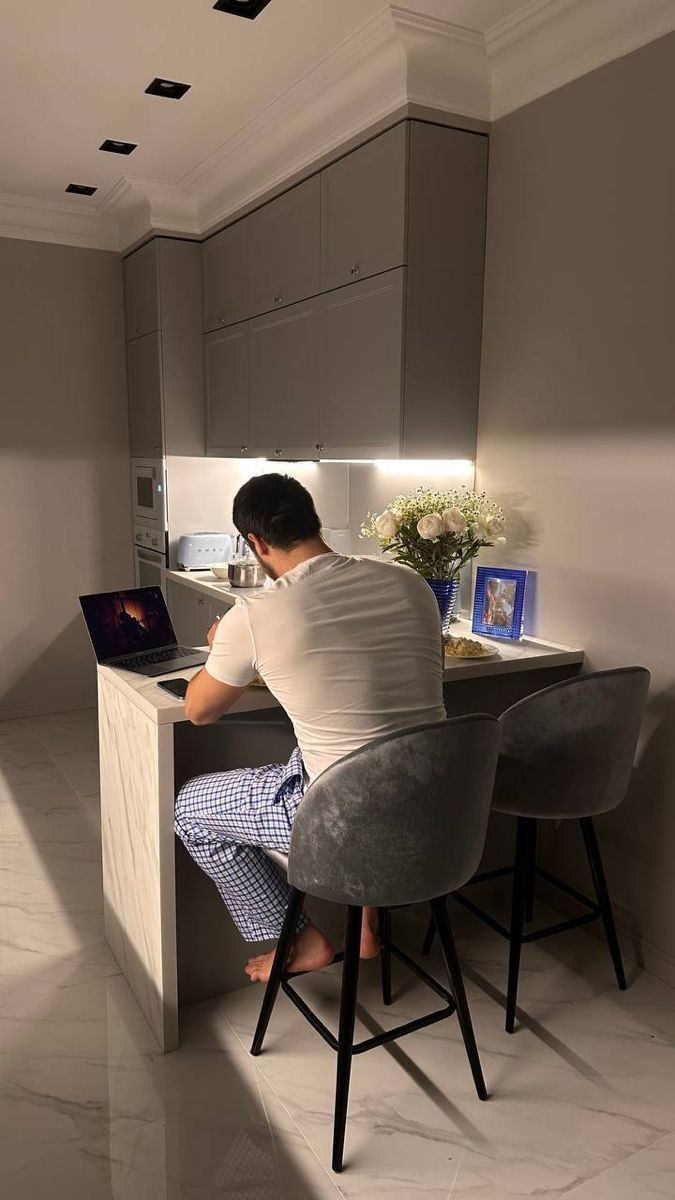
(81, 189)
(168, 88)
(118, 147)
(242, 8)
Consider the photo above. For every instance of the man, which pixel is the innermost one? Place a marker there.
(351, 648)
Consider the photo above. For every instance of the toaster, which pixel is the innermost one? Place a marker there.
(196, 551)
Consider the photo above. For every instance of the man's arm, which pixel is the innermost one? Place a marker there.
(206, 699)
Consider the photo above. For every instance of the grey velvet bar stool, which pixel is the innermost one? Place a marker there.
(567, 755)
(400, 821)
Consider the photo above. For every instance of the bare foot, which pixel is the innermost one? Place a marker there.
(311, 951)
(370, 936)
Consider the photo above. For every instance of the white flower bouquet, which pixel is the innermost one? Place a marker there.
(437, 533)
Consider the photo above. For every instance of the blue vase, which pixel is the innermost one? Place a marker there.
(446, 592)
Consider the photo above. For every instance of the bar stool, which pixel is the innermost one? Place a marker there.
(400, 821)
(567, 754)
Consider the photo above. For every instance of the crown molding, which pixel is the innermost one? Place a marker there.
(399, 57)
(548, 43)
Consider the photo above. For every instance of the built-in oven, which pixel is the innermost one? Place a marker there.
(149, 555)
(149, 491)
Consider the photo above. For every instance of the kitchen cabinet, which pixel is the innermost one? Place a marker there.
(225, 271)
(228, 391)
(162, 287)
(166, 394)
(362, 340)
(363, 210)
(144, 375)
(192, 614)
(285, 380)
(284, 248)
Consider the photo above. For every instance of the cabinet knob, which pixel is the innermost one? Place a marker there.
(243, 449)
(201, 600)
(278, 299)
(221, 320)
(139, 329)
(278, 453)
(355, 270)
(319, 446)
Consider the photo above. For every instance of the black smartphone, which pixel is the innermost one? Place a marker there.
(177, 687)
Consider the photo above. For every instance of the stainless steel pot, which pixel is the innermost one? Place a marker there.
(246, 573)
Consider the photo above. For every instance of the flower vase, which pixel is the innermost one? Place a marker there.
(446, 592)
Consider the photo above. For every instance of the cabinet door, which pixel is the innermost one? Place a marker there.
(225, 263)
(285, 381)
(284, 249)
(190, 613)
(141, 291)
(144, 365)
(361, 368)
(363, 210)
(228, 391)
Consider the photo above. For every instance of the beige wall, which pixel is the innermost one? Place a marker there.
(577, 416)
(65, 523)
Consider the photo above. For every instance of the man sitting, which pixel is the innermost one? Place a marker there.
(351, 649)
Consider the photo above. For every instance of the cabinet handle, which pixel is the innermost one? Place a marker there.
(278, 453)
(355, 270)
(319, 446)
(278, 299)
(201, 600)
(138, 329)
(243, 449)
(221, 320)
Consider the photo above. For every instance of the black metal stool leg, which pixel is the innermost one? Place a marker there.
(457, 984)
(429, 935)
(350, 979)
(278, 967)
(518, 902)
(385, 953)
(602, 892)
(531, 877)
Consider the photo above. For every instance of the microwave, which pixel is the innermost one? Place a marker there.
(148, 486)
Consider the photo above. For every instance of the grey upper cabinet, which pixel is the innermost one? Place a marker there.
(361, 368)
(162, 287)
(144, 373)
(284, 248)
(363, 210)
(285, 372)
(228, 391)
(225, 271)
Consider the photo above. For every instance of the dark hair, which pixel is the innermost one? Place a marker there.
(277, 509)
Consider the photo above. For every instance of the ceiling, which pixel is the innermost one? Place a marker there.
(266, 96)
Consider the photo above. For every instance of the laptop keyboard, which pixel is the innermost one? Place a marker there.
(157, 656)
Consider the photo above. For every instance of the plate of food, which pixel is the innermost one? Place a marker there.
(464, 647)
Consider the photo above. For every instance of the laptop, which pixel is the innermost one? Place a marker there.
(133, 630)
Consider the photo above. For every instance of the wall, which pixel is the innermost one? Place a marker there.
(577, 415)
(65, 521)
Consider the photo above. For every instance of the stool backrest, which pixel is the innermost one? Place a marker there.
(401, 820)
(568, 750)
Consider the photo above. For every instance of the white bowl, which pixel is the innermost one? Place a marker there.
(220, 570)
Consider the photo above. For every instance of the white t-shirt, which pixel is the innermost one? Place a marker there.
(350, 647)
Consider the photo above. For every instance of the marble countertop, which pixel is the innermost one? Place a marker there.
(207, 585)
(529, 654)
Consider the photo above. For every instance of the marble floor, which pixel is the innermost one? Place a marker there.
(582, 1096)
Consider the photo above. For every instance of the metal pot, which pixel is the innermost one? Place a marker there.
(245, 573)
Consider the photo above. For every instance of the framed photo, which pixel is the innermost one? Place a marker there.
(498, 602)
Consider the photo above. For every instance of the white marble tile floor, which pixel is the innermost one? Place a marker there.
(582, 1096)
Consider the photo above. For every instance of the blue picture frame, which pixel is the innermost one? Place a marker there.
(498, 602)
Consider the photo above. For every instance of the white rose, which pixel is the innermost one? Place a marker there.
(387, 525)
(454, 521)
(430, 527)
(479, 531)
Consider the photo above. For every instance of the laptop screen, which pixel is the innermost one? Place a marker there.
(122, 623)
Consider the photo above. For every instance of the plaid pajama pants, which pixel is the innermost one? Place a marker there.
(225, 819)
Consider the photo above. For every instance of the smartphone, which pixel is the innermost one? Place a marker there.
(177, 687)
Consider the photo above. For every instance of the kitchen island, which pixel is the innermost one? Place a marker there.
(166, 925)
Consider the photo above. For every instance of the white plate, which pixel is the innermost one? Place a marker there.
(489, 653)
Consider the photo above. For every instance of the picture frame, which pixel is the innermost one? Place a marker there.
(499, 602)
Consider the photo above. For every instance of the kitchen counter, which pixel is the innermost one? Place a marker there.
(207, 585)
(164, 920)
